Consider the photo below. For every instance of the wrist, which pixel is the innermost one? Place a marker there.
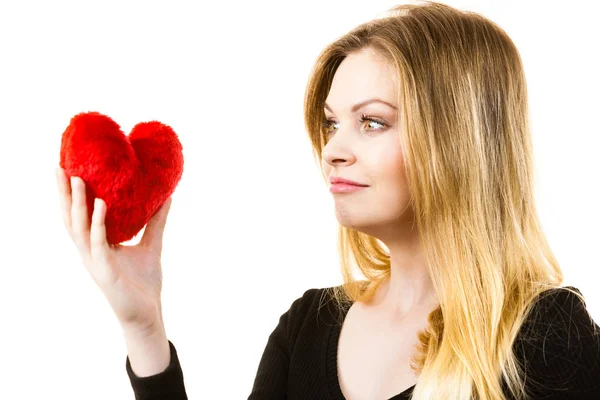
(151, 325)
(148, 350)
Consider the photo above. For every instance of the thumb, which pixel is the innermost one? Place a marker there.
(156, 225)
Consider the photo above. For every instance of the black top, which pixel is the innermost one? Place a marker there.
(299, 362)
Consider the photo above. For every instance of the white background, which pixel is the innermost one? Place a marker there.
(252, 223)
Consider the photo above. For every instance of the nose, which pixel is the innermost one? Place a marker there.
(338, 150)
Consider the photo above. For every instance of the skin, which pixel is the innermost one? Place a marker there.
(130, 277)
(370, 153)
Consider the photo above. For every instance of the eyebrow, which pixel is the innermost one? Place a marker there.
(364, 103)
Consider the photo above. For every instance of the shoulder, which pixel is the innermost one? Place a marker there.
(310, 302)
(561, 344)
(557, 311)
(315, 305)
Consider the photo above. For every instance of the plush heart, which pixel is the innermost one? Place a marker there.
(134, 174)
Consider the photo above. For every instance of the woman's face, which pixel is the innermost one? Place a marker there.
(366, 152)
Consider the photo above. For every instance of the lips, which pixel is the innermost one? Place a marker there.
(336, 180)
(344, 188)
(350, 184)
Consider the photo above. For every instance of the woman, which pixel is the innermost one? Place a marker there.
(426, 111)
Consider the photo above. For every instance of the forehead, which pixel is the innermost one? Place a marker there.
(361, 76)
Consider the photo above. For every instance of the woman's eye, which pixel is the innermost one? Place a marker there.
(369, 121)
(327, 124)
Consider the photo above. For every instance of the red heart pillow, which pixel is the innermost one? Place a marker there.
(134, 174)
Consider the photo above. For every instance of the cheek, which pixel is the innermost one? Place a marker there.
(391, 181)
(390, 165)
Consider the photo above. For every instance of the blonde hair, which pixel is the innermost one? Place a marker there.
(466, 143)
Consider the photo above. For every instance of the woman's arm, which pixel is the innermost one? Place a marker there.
(147, 354)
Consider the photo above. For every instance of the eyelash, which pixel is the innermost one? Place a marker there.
(363, 118)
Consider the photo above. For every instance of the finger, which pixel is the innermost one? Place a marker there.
(79, 218)
(64, 197)
(153, 234)
(99, 247)
(100, 268)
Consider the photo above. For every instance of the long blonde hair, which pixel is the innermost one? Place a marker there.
(466, 142)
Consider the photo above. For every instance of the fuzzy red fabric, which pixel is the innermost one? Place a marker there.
(134, 174)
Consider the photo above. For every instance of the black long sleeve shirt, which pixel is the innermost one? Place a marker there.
(299, 362)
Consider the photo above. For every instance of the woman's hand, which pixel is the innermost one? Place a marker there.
(129, 276)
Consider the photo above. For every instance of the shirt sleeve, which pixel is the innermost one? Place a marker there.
(272, 376)
(167, 385)
(564, 355)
